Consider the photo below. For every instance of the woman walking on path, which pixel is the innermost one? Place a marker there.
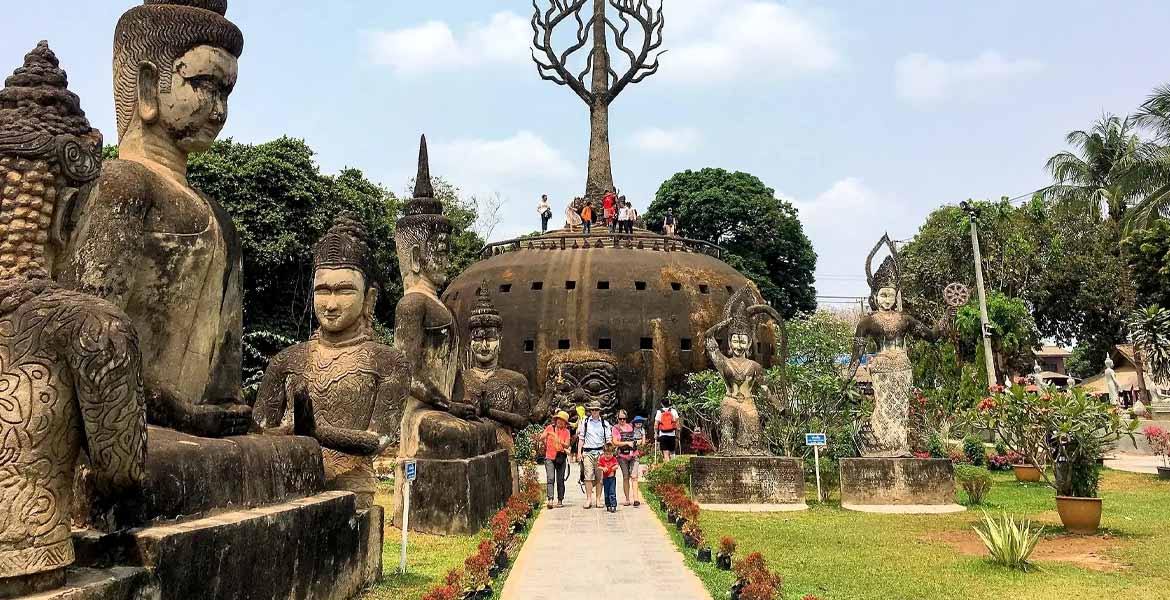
(545, 212)
(628, 437)
(556, 456)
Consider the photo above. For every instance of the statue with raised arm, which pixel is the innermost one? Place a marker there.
(740, 430)
(165, 253)
(342, 387)
(889, 328)
(70, 369)
(501, 394)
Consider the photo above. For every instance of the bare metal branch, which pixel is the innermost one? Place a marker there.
(651, 20)
(552, 67)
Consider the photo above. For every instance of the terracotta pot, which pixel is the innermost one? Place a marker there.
(1163, 472)
(1028, 473)
(1079, 515)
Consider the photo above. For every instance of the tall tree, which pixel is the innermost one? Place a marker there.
(1148, 253)
(1154, 117)
(761, 233)
(605, 85)
(1107, 166)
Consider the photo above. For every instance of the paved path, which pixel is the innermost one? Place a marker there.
(1134, 463)
(578, 554)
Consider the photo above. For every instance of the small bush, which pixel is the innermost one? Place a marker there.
(727, 545)
(936, 447)
(673, 472)
(976, 481)
(975, 451)
(1010, 542)
(529, 446)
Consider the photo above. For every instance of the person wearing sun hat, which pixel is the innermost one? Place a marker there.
(594, 434)
(556, 456)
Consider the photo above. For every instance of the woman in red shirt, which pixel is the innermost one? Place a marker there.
(556, 456)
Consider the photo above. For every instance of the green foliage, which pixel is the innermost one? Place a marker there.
(257, 348)
(1149, 328)
(526, 443)
(1009, 541)
(1148, 252)
(698, 401)
(675, 471)
(1013, 330)
(936, 446)
(975, 480)
(762, 234)
(974, 450)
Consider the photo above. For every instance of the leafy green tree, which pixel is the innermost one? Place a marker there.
(762, 234)
(1013, 331)
(1148, 253)
(1149, 328)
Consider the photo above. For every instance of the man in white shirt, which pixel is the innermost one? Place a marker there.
(594, 434)
(667, 424)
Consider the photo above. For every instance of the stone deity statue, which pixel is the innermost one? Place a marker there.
(500, 394)
(70, 369)
(1037, 374)
(436, 423)
(1111, 383)
(151, 244)
(887, 433)
(740, 430)
(354, 385)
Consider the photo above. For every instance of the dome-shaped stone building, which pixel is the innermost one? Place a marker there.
(614, 319)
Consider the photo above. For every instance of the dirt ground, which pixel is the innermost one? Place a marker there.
(1088, 552)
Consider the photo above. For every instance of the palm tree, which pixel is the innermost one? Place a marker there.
(1149, 328)
(1154, 116)
(1108, 167)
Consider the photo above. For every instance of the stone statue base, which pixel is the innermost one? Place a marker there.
(910, 484)
(116, 583)
(747, 480)
(454, 496)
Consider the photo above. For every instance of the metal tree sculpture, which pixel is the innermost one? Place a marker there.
(605, 85)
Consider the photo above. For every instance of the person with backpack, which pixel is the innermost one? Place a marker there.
(628, 438)
(594, 434)
(667, 423)
(670, 223)
(556, 456)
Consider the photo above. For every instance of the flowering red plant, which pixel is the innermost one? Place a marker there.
(1159, 440)
(443, 592)
(501, 528)
(727, 545)
(701, 444)
(454, 577)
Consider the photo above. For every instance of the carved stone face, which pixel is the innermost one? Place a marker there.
(340, 300)
(437, 259)
(485, 347)
(195, 109)
(887, 298)
(740, 345)
(574, 383)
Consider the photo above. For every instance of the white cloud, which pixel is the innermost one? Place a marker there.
(491, 164)
(666, 141)
(921, 78)
(433, 45)
(716, 41)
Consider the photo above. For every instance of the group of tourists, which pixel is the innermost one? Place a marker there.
(602, 449)
(616, 214)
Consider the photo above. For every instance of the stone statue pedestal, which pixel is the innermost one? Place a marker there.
(717, 480)
(455, 496)
(238, 518)
(898, 485)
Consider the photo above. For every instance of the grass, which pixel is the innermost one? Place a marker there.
(844, 555)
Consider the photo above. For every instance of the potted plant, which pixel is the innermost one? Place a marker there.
(1069, 428)
(692, 535)
(726, 552)
(1024, 471)
(1159, 440)
(704, 554)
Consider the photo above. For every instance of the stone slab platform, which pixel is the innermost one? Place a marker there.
(897, 482)
(754, 508)
(456, 496)
(721, 480)
(117, 583)
(906, 509)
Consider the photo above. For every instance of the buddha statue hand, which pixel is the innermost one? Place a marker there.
(464, 411)
(224, 419)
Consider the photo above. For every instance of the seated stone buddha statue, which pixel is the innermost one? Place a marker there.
(70, 369)
(436, 422)
(342, 387)
(501, 395)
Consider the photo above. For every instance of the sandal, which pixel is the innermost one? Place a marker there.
(636, 503)
(560, 504)
(625, 503)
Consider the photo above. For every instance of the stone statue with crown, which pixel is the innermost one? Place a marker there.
(343, 387)
(500, 394)
(70, 368)
(464, 475)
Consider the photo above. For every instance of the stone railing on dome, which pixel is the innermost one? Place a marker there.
(640, 240)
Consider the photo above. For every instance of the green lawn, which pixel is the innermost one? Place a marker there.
(843, 555)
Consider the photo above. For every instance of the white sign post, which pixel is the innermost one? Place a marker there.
(410, 468)
(816, 440)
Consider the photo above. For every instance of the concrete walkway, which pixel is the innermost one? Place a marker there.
(573, 553)
(1134, 463)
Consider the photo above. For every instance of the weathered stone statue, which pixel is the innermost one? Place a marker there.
(889, 328)
(500, 394)
(163, 252)
(355, 386)
(1111, 383)
(579, 378)
(70, 369)
(740, 431)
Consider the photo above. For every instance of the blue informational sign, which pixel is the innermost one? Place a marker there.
(816, 439)
(411, 470)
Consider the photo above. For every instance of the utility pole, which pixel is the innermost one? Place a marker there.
(988, 357)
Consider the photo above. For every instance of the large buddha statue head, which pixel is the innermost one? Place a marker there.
(423, 234)
(345, 289)
(49, 159)
(175, 64)
(485, 324)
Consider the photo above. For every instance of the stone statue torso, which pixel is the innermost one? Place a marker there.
(503, 390)
(740, 376)
(440, 341)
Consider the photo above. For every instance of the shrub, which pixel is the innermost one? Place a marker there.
(528, 444)
(976, 481)
(1010, 542)
(975, 451)
(936, 447)
(957, 456)
(999, 462)
(1159, 440)
(444, 592)
(727, 545)
(673, 472)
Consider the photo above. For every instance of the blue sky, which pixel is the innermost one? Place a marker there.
(866, 115)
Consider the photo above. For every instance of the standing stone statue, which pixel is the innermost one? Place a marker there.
(889, 328)
(70, 369)
(500, 394)
(1111, 383)
(151, 244)
(740, 431)
(354, 386)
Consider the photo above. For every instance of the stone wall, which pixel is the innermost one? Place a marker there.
(747, 480)
(897, 481)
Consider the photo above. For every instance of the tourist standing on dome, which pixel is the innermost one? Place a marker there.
(587, 217)
(545, 212)
(608, 211)
(670, 223)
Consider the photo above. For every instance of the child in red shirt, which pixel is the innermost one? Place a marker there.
(608, 463)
